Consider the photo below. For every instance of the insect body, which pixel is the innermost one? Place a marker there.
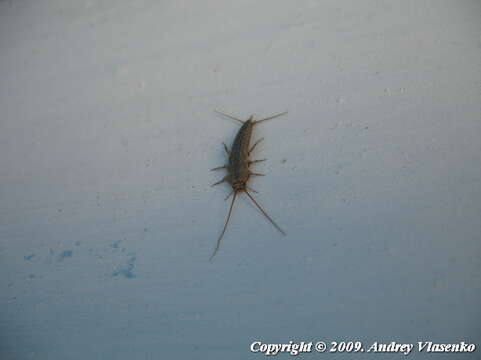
(238, 172)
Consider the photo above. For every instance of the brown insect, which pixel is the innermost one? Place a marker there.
(238, 172)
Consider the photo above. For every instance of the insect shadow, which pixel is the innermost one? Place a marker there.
(238, 168)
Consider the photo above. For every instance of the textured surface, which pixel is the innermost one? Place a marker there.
(107, 135)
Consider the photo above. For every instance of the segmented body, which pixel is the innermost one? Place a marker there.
(238, 166)
(238, 172)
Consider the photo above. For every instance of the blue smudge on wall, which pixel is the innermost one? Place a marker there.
(64, 254)
(126, 270)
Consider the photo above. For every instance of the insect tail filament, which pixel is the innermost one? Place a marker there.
(225, 226)
(265, 214)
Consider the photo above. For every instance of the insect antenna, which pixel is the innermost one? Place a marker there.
(270, 117)
(225, 226)
(229, 116)
(265, 214)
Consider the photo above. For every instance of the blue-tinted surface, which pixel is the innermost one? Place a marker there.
(107, 217)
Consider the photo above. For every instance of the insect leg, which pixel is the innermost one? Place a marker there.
(255, 144)
(228, 196)
(219, 167)
(270, 117)
(225, 227)
(265, 214)
(251, 189)
(257, 174)
(254, 161)
(226, 148)
(230, 116)
(219, 182)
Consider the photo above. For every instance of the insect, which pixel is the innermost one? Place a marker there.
(238, 172)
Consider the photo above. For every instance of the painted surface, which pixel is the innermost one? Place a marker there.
(107, 217)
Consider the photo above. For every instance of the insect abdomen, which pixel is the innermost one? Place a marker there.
(239, 153)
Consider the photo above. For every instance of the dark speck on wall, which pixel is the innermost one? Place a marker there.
(115, 244)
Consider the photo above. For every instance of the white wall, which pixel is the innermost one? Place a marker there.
(107, 135)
